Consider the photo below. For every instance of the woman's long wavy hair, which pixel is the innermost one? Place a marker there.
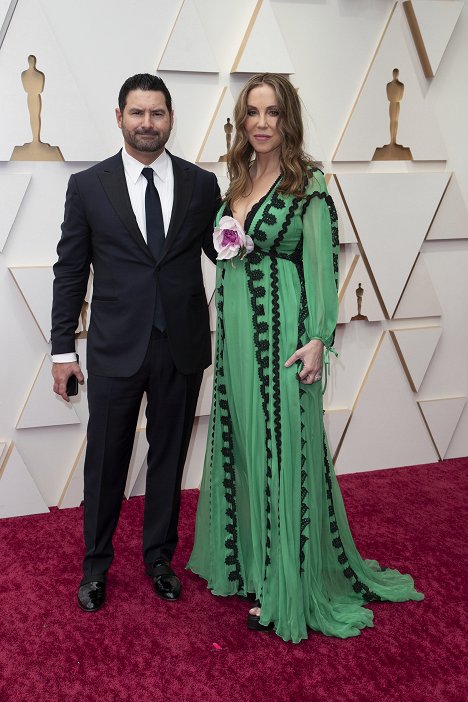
(295, 164)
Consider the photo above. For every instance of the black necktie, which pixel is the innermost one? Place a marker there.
(155, 235)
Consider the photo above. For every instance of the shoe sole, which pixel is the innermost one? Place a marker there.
(166, 599)
(253, 623)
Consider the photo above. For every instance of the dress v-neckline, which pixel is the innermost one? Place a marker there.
(255, 207)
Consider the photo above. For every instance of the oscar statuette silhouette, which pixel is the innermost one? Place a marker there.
(33, 83)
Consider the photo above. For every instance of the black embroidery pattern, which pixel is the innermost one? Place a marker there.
(229, 482)
(334, 233)
(333, 219)
(296, 258)
(276, 323)
(262, 348)
(348, 572)
(305, 510)
(277, 202)
(261, 332)
(301, 330)
(303, 309)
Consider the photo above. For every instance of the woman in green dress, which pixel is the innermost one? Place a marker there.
(270, 518)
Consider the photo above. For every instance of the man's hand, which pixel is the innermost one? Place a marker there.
(311, 356)
(61, 372)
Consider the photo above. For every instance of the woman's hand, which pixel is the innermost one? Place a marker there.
(311, 356)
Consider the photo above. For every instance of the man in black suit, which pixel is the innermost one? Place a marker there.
(141, 219)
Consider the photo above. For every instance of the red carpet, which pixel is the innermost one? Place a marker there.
(140, 649)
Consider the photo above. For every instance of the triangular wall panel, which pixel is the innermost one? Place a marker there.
(416, 347)
(347, 261)
(214, 145)
(196, 454)
(263, 48)
(348, 370)
(209, 277)
(137, 461)
(141, 423)
(173, 145)
(225, 23)
(442, 416)
(188, 134)
(335, 422)
(65, 109)
(19, 493)
(391, 214)
(188, 48)
(213, 314)
(419, 298)
(138, 482)
(356, 279)
(369, 124)
(206, 391)
(345, 228)
(380, 432)
(432, 24)
(35, 284)
(7, 8)
(72, 494)
(451, 218)
(12, 191)
(43, 408)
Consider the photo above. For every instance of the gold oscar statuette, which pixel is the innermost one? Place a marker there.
(228, 128)
(359, 296)
(33, 83)
(393, 151)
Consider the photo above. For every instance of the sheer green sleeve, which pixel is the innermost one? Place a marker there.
(320, 260)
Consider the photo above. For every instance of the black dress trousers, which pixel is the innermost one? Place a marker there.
(114, 405)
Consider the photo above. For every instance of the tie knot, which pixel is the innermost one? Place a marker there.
(148, 173)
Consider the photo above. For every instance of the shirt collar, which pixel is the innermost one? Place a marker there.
(133, 167)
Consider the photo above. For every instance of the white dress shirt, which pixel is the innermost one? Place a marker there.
(136, 184)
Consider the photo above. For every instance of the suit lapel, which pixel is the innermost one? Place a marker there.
(183, 187)
(114, 183)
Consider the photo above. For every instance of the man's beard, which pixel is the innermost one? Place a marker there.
(142, 142)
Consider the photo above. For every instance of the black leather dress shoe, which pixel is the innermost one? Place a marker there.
(253, 623)
(165, 582)
(91, 595)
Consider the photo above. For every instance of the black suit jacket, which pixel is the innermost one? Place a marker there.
(100, 228)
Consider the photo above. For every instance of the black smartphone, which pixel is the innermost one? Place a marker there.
(72, 383)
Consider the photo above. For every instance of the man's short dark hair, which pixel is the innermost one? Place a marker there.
(144, 81)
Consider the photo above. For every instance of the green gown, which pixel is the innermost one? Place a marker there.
(270, 517)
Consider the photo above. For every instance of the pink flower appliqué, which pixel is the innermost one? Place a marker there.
(230, 240)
